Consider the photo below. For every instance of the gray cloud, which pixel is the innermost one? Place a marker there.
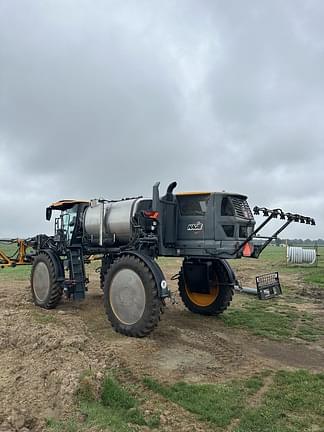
(103, 98)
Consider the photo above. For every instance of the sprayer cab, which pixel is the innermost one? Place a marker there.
(68, 222)
(214, 224)
(203, 224)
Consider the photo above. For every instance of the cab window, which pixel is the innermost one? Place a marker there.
(68, 221)
(193, 205)
(227, 208)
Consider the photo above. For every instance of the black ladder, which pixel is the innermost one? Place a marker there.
(77, 273)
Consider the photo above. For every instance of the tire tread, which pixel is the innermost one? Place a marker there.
(56, 290)
(149, 321)
(218, 306)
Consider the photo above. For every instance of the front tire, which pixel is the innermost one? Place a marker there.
(46, 286)
(131, 297)
(213, 303)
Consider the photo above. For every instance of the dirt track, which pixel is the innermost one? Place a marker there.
(42, 354)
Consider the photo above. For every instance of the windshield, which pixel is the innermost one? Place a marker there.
(193, 205)
(68, 221)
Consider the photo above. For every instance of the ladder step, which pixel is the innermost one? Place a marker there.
(78, 275)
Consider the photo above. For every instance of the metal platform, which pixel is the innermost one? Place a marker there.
(268, 286)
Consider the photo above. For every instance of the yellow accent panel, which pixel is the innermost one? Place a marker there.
(67, 202)
(193, 193)
(203, 300)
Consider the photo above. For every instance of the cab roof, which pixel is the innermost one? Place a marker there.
(238, 195)
(66, 204)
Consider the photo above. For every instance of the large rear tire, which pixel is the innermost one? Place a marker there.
(46, 284)
(131, 297)
(216, 301)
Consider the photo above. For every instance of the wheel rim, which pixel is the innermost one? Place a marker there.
(41, 281)
(127, 296)
(203, 300)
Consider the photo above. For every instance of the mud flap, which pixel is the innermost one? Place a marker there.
(161, 283)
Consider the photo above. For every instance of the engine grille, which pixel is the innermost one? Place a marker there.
(242, 208)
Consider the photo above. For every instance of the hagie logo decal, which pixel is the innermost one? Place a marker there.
(195, 226)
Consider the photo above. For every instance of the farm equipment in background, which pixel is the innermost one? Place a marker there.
(128, 235)
(19, 257)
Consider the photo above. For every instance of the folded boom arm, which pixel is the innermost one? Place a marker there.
(272, 214)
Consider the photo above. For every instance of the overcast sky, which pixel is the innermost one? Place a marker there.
(103, 98)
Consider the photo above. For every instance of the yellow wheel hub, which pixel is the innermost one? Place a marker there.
(203, 300)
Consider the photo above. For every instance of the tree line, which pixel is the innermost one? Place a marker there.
(299, 242)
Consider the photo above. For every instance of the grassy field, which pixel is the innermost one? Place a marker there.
(275, 257)
(313, 274)
(113, 406)
(9, 273)
(292, 402)
(281, 318)
(270, 401)
(273, 401)
(273, 320)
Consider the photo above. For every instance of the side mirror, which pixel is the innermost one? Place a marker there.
(48, 213)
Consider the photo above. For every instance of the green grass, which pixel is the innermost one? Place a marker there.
(216, 404)
(114, 409)
(315, 276)
(70, 425)
(44, 317)
(276, 256)
(273, 320)
(309, 332)
(21, 272)
(259, 320)
(274, 259)
(8, 248)
(18, 273)
(278, 318)
(294, 402)
(282, 401)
